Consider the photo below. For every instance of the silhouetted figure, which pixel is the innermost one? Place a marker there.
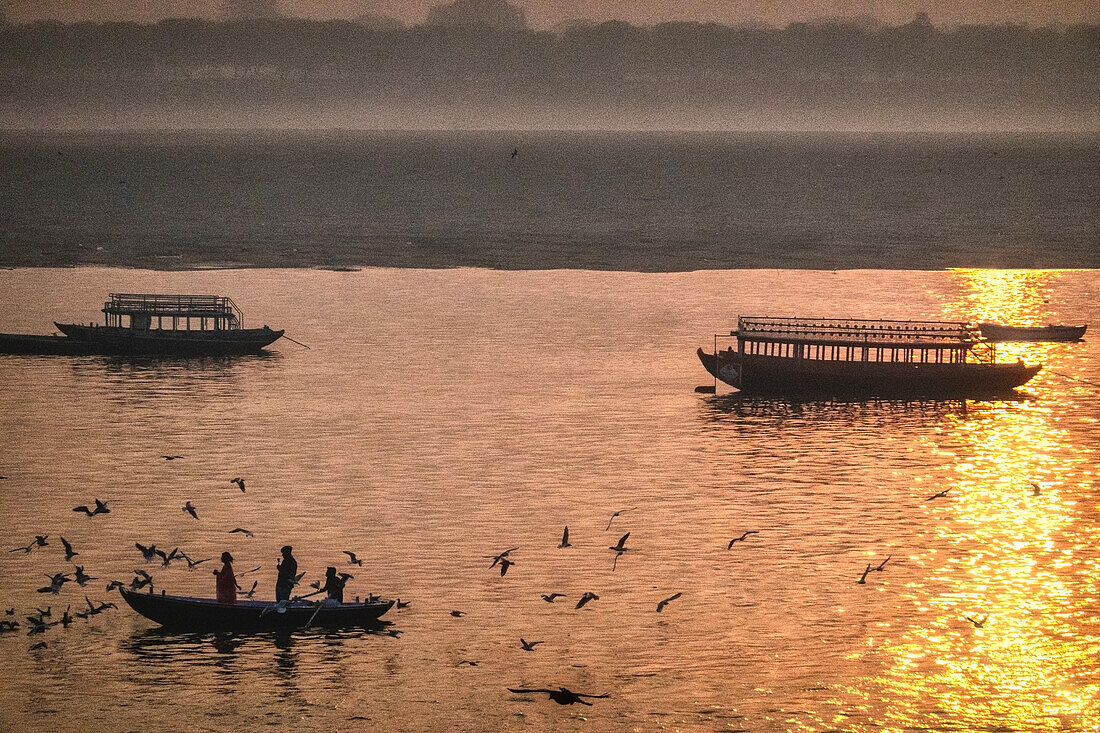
(334, 584)
(562, 695)
(227, 582)
(288, 570)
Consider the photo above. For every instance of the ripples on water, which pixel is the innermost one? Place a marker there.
(442, 416)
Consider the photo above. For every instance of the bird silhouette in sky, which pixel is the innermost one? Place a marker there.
(609, 521)
(190, 510)
(665, 602)
(239, 481)
(937, 496)
(586, 598)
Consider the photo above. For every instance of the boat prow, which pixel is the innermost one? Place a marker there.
(205, 614)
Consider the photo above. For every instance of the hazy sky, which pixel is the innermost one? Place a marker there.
(547, 13)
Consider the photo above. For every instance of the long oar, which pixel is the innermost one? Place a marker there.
(288, 338)
(320, 605)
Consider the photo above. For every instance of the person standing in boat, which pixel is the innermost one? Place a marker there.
(334, 585)
(227, 582)
(288, 570)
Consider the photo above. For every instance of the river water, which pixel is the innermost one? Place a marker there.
(439, 417)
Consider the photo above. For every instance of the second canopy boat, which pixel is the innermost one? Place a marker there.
(860, 357)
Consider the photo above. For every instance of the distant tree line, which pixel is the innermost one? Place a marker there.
(708, 67)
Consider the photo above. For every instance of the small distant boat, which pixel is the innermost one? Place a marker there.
(145, 324)
(862, 358)
(206, 614)
(995, 332)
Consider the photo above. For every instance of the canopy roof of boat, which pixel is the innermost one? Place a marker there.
(859, 332)
(180, 306)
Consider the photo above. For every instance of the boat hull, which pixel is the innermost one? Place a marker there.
(24, 343)
(204, 614)
(997, 333)
(114, 340)
(780, 376)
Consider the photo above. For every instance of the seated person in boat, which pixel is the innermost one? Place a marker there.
(227, 582)
(288, 569)
(334, 584)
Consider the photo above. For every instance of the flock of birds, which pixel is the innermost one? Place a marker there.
(43, 619)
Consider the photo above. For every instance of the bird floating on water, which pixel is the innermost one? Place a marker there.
(562, 695)
(1035, 489)
(741, 538)
(457, 614)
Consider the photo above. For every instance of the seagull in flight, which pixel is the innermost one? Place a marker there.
(609, 521)
(100, 508)
(863, 578)
(501, 556)
(147, 552)
(403, 604)
(250, 591)
(171, 458)
(619, 549)
(528, 646)
(741, 538)
(505, 563)
(515, 152)
(562, 695)
(241, 530)
(239, 481)
(70, 553)
(665, 602)
(190, 510)
(192, 564)
(936, 496)
(978, 623)
(1035, 489)
(586, 598)
(882, 565)
(352, 559)
(81, 577)
(550, 598)
(565, 539)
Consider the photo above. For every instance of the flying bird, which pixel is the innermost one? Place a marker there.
(171, 458)
(470, 662)
(515, 152)
(978, 623)
(882, 565)
(352, 559)
(1035, 489)
(936, 496)
(190, 510)
(562, 695)
(403, 604)
(147, 552)
(505, 563)
(239, 481)
(250, 591)
(39, 645)
(40, 540)
(70, 553)
(501, 556)
(665, 602)
(294, 581)
(549, 598)
(609, 521)
(741, 538)
(457, 614)
(619, 549)
(565, 539)
(528, 646)
(192, 564)
(863, 578)
(240, 530)
(81, 577)
(586, 598)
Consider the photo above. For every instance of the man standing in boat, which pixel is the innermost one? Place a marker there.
(288, 569)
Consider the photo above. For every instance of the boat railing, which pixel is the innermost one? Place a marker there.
(856, 329)
(143, 307)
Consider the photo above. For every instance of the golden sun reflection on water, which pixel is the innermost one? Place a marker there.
(1016, 562)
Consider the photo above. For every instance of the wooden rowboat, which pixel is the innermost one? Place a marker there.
(193, 614)
(996, 332)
